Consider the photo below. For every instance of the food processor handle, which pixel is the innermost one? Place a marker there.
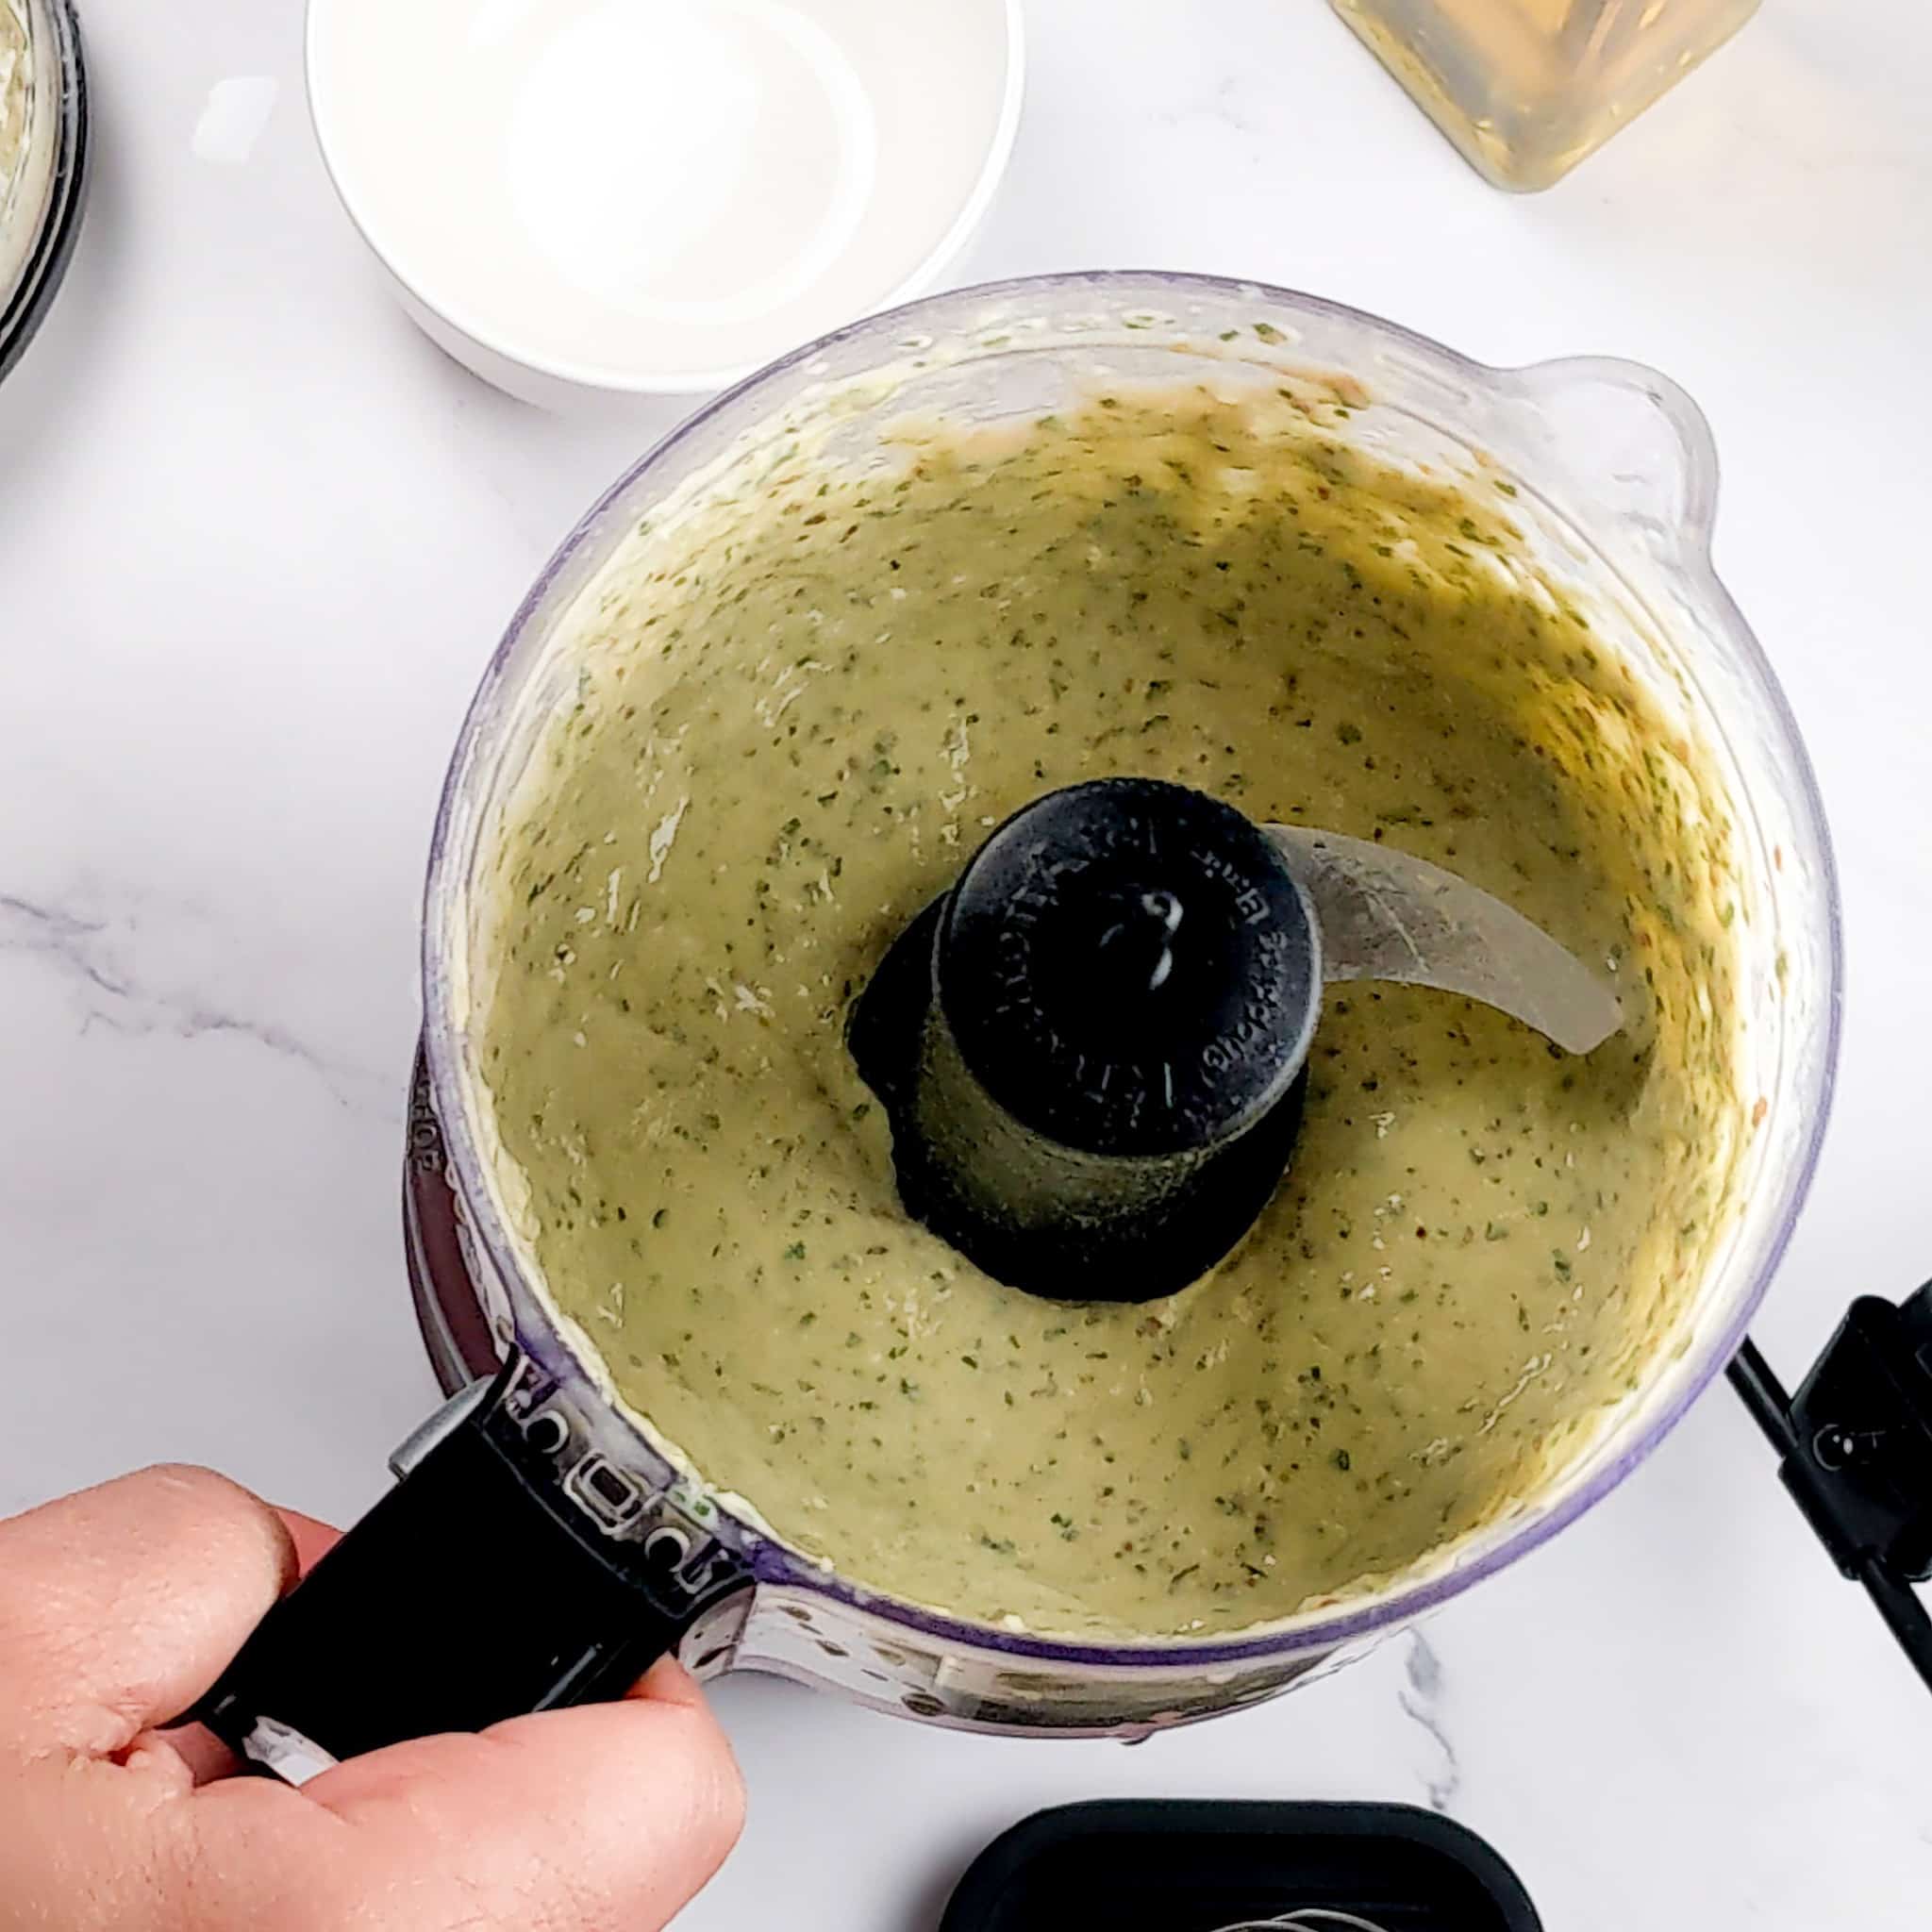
(479, 1589)
(1855, 1451)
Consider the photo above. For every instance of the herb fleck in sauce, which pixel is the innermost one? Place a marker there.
(796, 716)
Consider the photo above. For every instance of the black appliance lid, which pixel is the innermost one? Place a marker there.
(1131, 1865)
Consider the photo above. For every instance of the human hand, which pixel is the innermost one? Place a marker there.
(119, 1607)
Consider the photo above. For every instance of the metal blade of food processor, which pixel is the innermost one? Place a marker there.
(1385, 915)
(1091, 1051)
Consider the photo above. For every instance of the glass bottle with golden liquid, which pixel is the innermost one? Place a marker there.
(1528, 88)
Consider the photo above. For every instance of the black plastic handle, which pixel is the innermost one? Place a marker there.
(479, 1588)
(1855, 1451)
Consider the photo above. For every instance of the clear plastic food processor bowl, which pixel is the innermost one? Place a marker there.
(1616, 479)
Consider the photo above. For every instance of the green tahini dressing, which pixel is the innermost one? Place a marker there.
(796, 715)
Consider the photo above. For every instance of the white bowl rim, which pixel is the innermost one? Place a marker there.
(629, 382)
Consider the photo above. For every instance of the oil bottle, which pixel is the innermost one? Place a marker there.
(1526, 89)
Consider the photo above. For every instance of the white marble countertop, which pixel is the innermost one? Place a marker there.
(256, 540)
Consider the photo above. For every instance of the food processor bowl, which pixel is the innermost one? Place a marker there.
(1612, 479)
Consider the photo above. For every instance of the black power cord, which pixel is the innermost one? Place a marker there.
(1764, 1396)
(1854, 1450)
(1903, 1610)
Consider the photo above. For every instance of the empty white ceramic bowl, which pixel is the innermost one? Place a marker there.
(591, 199)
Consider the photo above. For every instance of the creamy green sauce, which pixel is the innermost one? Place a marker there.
(27, 130)
(16, 95)
(797, 714)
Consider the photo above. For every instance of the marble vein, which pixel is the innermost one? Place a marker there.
(1422, 1701)
(88, 951)
(1225, 107)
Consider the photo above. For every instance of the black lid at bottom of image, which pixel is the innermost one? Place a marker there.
(1196, 1866)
